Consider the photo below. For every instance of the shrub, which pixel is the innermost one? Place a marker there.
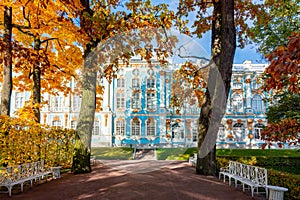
(24, 141)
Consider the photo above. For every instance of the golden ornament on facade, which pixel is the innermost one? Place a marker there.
(248, 80)
(229, 121)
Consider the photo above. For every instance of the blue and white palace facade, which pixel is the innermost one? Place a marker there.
(137, 110)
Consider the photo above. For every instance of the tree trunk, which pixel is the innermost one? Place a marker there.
(82, 152)
(7, 63)
(223, 49)
(36, 76)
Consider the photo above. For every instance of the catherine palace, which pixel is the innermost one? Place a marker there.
(137, 109)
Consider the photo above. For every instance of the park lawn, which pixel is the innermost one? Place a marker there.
(259, 152)
(175, 153)
(113, 153)
(126, 153)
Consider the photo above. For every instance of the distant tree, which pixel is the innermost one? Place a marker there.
(287, 106)
(282, 77)
(275, 23)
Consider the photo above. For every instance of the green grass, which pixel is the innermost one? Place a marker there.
(116, 153)
(258, 152)
(122, 153)
(175, 153)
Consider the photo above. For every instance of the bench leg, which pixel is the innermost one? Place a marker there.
(9, 190)
(267, 194)
(252, 191)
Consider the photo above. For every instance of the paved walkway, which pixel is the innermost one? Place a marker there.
(133, 180)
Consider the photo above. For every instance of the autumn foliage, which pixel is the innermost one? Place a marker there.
(282, 76)
(25, 141)
(283, 71)
(283, 132)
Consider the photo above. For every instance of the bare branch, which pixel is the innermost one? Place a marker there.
(197, 57)
(46, 40)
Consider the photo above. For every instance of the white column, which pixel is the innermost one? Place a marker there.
(248, 94)
(162, 89)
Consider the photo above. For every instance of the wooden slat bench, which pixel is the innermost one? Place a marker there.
(246, 175)
(19, 174)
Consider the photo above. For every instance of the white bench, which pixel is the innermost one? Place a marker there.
(246, 175)
(193, 160)
(276, 193)
(19, 174)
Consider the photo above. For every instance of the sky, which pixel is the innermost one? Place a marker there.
(249, 52)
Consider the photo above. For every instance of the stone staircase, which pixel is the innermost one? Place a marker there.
(144, 154)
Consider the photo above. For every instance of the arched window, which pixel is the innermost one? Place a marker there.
(76, 103)
(237, 103)
(257, 104)
(195, 133)
(257, 130)
(96, 128)
(150, 127)
(73, 124)
(135, 127)
(120, 82)
(120, 100)
(150, 83)
(255, 85)
(151, 101)
(221, 132)
(239, 131)
(56, 123)
(120, 127)
(135, 100)
(135, 84)
(19, 100)
(237, 85)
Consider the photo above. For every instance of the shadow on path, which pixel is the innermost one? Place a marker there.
(133, 180)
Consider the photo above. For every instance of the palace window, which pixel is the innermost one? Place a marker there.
(135, 127)
(120, 82)
(73, 124)
(120, 100)
(57, 103)
(135, 100)
(120, 127)
(151, 99)
(257, 104)
(76, 103)
(239, 131)
(20, 99)
(96, 128)
(135, 84)
(150, 127)
(195, 133)
(255, 85)
(237, 103)
(56, 123)
(150, 83)
(257, 130)
(221, 132)
(237, 86)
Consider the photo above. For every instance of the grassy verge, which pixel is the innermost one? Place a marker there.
(259, 152)
(120, 153)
